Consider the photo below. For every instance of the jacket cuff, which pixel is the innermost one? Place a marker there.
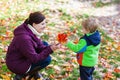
(50, 50)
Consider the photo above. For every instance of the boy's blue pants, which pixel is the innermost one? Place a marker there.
(43, 63)
(86, 73)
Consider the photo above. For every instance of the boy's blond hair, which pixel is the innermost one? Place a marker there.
(90, 24)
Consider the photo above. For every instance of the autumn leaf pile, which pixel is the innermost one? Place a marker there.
(63, 19)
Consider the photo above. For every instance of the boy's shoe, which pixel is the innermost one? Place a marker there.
(18, 77)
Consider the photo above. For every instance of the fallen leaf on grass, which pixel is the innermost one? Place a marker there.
(108, 76)
(2, 60)
(57, 68)
(8, 33)
(66, 65)
(2, 22)
(74, 60)
(52, 76)
(5, 77)
(118, 48)
(59, 77)
(69, 69)
(62, 56)
(117, 70)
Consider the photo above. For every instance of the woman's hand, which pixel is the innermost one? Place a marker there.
(55, 46)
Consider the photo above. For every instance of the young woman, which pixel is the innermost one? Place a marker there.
(27, 54)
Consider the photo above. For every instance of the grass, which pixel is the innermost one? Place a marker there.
(16, 14)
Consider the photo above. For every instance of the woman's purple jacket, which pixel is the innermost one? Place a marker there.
(25, 49)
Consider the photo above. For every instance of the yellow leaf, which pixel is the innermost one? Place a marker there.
(109, 48)
(3, 22)
(8, 33)
(118, 48)
(106, 78)
(5, 77)
(69, 69)
(52, 76)
(66, 65)
(59, 77)
(57, 68)
(74, 60)
(39, 79)
(116, 45)
(62, 56)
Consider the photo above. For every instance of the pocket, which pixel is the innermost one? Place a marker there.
(79, 58)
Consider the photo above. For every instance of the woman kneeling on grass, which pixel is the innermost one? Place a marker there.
(27, 54)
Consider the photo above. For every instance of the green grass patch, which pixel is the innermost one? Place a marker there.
(52, 24)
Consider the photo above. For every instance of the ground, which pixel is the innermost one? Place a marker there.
(62, 16)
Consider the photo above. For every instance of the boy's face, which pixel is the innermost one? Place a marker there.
(85, 31)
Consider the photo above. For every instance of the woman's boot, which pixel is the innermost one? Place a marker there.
(19, 77)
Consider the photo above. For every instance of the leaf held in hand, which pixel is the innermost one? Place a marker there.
(62, 37)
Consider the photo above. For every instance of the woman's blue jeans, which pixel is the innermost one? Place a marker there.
(44, 63)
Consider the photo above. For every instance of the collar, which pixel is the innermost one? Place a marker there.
(34, 31)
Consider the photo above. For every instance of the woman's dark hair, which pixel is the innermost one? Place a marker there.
(35, 17)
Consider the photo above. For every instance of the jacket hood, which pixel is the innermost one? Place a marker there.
(22, 29)
(94, 38)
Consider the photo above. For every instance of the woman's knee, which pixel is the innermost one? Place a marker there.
(48, 60)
